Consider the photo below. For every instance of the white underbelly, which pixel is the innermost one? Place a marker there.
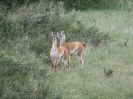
(74, 50)
(53, 53)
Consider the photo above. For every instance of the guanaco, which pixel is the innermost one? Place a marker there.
(72, 47)
(58, 53)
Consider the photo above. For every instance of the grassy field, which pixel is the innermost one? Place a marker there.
(90, 82)
(26, 71)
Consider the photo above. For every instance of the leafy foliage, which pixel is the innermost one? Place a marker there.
(77, 4)
(91, 4)
(22, 79)
(38, 24)
(95, 37)
(41, 44)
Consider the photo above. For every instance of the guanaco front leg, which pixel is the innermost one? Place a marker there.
(56, 62)
(52, 60)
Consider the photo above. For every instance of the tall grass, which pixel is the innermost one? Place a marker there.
(90, 82)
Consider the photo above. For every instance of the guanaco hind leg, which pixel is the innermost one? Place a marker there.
(65, 63)
(80, 60)
(80, 56)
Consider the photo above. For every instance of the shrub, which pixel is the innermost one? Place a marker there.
(97, 4)
(23, 79)
(38, 27)
(41, 44)
(91, 4)
(37, 21)
(95, 37)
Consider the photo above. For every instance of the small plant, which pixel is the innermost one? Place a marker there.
(108, 72)
(123, 43)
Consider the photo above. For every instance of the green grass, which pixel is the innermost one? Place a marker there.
(90, 81)
(25, 74)
(108, 21)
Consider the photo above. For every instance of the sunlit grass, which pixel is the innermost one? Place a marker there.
(108, 21)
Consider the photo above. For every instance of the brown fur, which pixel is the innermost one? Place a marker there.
(58, 51)
(84, 45)
(72, 46)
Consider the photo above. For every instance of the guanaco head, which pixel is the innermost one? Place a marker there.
(54, 37)
(61, 35)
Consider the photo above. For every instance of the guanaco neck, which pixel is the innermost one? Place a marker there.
(54, 45)
(62, 42)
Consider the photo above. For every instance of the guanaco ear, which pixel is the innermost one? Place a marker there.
(52, 34)
(57, 34)
(62, 32)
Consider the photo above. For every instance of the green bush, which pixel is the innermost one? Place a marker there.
(11, 3)
(8, 67)
(37, 26)
(23, 80)
(95, 37)
(90, 4)
(97, 4)
(41, 44)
